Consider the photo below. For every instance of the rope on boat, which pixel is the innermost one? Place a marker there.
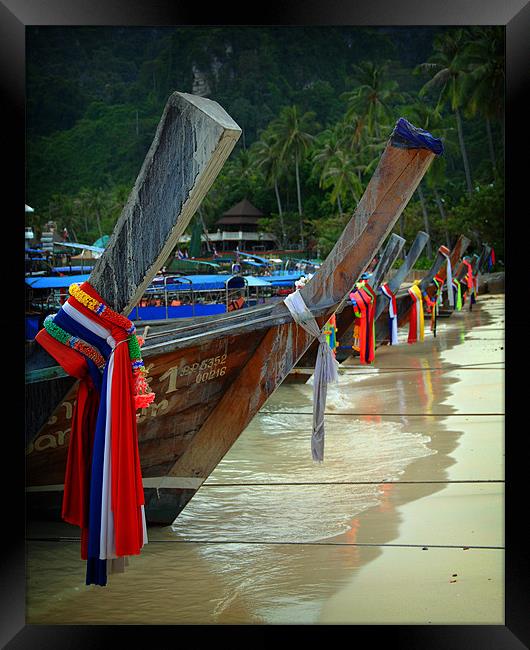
(226, 542)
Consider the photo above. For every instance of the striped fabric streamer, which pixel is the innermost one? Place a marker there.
(392, 313)
(416, 325)
(103, 491)
(491, 259)
(471, 282)
(458, 294)
(445, 252)
(364, 301)
(438, 283)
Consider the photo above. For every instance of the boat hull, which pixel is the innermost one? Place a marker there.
(210, 380)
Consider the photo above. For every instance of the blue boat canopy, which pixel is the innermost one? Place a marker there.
(55, 282)
(197, 283)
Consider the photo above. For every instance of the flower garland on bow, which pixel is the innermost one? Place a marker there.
(103, 491)
(330, 332)
(142, 395)
(302, 281)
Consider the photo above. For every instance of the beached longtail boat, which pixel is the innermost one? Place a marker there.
(476, 263)
(346, 320)
(344, 315)
(211, 378)
(438, 270)
(305, 367)
(193, 140)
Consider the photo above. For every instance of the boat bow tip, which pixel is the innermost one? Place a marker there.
(408, 136)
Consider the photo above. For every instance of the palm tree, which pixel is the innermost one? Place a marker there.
(340, 173)
(266, 155)
(292, 133)
(93, 202)
(431, 119)
(61, 209)
(370, 101)
(484, 56)
(447, 65)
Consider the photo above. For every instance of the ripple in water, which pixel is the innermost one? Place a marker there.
(276, 449)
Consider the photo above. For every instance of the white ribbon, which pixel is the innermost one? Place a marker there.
(392, 314)
(326, 369)
(450, 295)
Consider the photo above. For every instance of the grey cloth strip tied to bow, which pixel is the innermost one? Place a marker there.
(326, 369)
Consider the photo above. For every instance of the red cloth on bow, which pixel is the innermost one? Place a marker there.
(366, 306)
(127, 494)
(76, 496)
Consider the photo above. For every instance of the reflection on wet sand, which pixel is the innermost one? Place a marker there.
(278, 548)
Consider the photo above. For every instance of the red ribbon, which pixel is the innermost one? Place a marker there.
(76, 496)
(366, 306)
(127, 494)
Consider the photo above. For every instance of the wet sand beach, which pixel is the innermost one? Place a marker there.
(402, 523)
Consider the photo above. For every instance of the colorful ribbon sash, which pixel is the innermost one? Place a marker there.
(491, 259)
(458, 294)
(364, 301)
(416, 325)
(392, 314)
(450, 296)
(433, 305)
(432, 309)
(471, 282)
(330, 332)
(103, 491)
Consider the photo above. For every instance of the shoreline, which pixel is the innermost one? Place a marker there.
(407, 578)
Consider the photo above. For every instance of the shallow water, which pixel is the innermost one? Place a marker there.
(268, 538)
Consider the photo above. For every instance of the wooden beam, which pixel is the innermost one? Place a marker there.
(193, 139)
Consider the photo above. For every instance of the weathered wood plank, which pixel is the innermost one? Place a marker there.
(346, 319)
(284, 344)
(193, 139)
(399, 277)
(391, 253)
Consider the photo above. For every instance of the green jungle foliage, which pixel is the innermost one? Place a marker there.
(316, 106)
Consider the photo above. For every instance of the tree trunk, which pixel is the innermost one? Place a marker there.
(280, 211)
(299, 197)
(339, 203)
(439, 203)
(425, 220)
(205, 230)
(463, 150)
(98, 216)
(492, 149)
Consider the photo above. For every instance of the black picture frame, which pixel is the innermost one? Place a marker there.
(16, 15)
